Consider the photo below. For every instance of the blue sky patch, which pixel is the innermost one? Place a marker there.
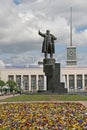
(17, 2)
(82, 28)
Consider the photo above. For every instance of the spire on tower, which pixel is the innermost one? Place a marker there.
(71, 50)
(71, 26)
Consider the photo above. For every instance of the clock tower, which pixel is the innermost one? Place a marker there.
(71, 50)
(71, 55)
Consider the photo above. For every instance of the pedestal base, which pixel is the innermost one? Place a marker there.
(52, 72)
(48, 66)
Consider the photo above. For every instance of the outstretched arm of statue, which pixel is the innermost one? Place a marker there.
(54, 38)
(41, 34)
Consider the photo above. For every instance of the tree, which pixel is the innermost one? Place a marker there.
(2, 83)
(13, 85)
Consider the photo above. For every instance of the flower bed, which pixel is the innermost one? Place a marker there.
(43, 116)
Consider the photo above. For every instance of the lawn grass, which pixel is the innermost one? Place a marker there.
(45, 97)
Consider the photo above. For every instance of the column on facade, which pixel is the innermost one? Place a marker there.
(14, 78)
(22, 86)
(67, 82)
(36, 82)
(64, 80)
(45, 85)
(0, 74)
(75, 83)
(29, 82)
(83, 83)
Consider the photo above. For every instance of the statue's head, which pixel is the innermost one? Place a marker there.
(48, 31)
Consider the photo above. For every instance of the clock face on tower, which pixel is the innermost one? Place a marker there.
(71, 53)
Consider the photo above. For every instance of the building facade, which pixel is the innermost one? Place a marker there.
(75, 78)
(33, 79)
(27, 79)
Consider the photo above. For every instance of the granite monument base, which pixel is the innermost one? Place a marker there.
(52, 72)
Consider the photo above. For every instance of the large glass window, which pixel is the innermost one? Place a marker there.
(40, 82)
(26, 82)
(10, 77)
(18, 81)
(85, 78)
(71, 82)
(33, 82)
(79, 81)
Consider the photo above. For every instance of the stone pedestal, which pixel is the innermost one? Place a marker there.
(52, 72)
(48, 66)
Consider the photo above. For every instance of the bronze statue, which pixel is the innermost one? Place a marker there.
(48, 43)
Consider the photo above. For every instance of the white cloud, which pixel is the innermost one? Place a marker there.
(26, 16)
(19, 24)
(2, 64)
(79, 38)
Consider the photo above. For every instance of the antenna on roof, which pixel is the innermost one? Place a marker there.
(70, 26)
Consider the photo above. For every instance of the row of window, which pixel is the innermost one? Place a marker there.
(80, 81)
(25, 81)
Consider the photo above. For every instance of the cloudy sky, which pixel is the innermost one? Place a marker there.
(20, 21)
